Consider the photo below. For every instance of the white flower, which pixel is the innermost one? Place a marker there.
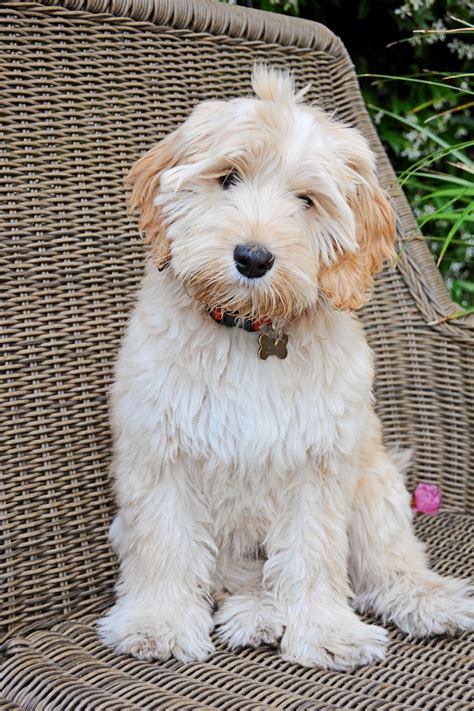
(411, 152)
(460, 132)
(462, 49)
(290, 4)
(403, 11)
(439, 36)
(443, 122)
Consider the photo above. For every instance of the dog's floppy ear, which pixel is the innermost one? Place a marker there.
(144, 181)
(348, 282)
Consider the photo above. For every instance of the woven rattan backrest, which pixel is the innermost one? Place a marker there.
(86, 86)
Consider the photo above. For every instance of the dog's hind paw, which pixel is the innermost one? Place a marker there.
(349, 645)
(426, 605)
(249, 620)
(151, 636)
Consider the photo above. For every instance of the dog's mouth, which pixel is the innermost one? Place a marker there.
(276, 302)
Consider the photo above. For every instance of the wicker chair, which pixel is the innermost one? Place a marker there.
(87, 85)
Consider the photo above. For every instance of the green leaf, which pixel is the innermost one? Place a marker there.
(454, 150)
(439, 214)
(450, 317)
(447, 177)
(445, 192)
(453, 231)
(465, 285)
(433, 157)
(419, 81)
(458, 242)
(448, 216)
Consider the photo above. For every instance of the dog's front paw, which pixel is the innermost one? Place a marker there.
(343, 646)
(150, 634)
(427, 605)
(249, 620)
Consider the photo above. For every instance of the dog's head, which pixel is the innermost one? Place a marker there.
(265, 205)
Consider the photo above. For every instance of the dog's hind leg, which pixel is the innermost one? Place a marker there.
(388, 565)
(247, 616)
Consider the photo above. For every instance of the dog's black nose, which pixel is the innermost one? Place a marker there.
(252, 260)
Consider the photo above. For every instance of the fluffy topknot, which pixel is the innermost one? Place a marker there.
(276, 85)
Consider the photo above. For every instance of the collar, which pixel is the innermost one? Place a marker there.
(231, 319)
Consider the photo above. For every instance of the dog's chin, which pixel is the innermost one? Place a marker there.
(278, 305)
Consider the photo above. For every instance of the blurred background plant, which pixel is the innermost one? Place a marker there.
(413, 60)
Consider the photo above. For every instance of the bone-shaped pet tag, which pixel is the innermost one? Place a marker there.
(272, 343)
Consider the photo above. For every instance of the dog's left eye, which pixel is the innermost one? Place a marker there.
(229, 179)
(306, 199)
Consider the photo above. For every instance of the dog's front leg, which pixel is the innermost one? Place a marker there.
(166, 559)
(307, 572)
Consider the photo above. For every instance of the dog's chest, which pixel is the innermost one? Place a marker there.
(199, 390)
(242, 412)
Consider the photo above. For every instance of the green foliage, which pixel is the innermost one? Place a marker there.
(425, 119)
(413, 61)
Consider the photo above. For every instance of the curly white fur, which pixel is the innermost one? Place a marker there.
(263, 485)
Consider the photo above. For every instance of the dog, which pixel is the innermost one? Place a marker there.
(249, 466)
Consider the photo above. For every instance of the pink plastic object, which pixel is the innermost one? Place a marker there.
(426, 498)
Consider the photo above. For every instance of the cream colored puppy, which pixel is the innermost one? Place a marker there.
(249, 465)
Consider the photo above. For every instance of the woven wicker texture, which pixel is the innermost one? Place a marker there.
(66, 666)
(86, 86)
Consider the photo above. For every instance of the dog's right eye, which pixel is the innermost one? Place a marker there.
(229, 179)
(308, 202)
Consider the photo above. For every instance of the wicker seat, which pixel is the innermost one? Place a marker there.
(86, 86)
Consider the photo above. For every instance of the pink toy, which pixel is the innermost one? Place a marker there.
(426, 498)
